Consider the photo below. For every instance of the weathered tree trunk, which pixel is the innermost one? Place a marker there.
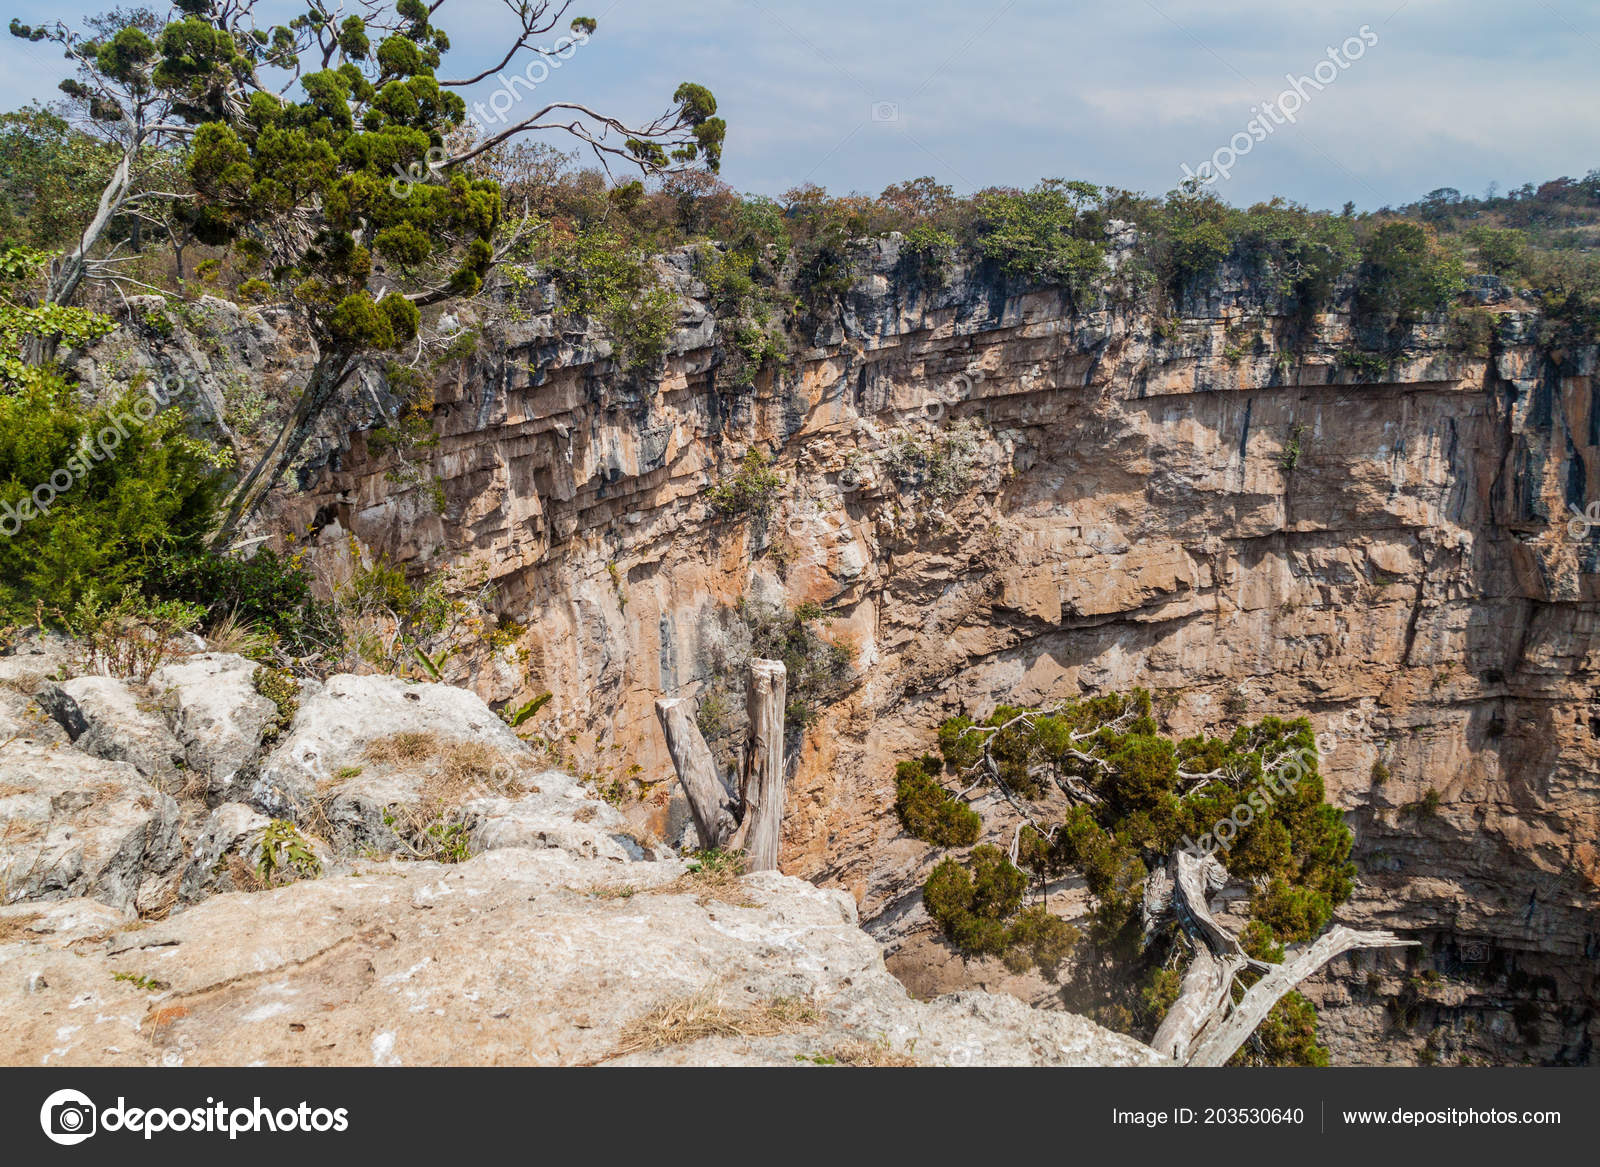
(327, 375)
(1205, 1027)
(764, 762)
(1219, 1044)
(754, 820)
(714, 809)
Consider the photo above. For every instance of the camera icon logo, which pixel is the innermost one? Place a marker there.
(68, 1117)
(1475, 952)
(885, 111)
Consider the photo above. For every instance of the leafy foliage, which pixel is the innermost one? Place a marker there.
(1405, 273)
(752, 490)
(1042, 235)
(603, 278)
(137, 493)
(1112, 797)
(927, 810)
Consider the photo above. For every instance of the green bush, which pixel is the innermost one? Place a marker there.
(930, 812)
(266, 590)
(601, 276)
(136, 492)
(1405, 274)
(752, 490)
(979, 908)
(1136, 796)
(1501, 250)
(1044, 235)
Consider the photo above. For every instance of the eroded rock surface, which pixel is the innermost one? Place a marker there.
(516, 957)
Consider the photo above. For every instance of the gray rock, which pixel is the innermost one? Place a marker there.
(104, 717)
(217, 715)
(233, 826)
(22, 719)
(583, 827)
(336, 723)
(78, 826)
(515, 957)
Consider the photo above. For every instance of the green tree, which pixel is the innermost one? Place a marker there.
(1405, 273)
(349, 185)
(1109, 797)
(50, 176)
(1047, 234)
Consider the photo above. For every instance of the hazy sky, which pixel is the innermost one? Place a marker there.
(857, 95)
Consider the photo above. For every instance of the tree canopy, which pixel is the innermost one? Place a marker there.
(1097, 790)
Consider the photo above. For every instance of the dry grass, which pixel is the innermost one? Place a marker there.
(13, 927)
(704, 1015)
(236, 635)
(243, 876)
(856, 1052)
(399, 749)
(603, 892)
(456, 772)
(716, 876)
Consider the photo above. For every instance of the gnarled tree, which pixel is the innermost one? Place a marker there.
(332, 153)
(1156, 827)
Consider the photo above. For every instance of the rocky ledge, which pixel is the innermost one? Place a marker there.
(214, 867)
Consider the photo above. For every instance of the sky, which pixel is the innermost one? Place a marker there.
(853, 96)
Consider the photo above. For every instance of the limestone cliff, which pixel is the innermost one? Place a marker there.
(998, 494)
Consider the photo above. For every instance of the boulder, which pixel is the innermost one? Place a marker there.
(106, 717)
(32, 662)
(551, 809)
(336, 723)
(81, 826)
(232, 828)
(22, 719)
(217, 715)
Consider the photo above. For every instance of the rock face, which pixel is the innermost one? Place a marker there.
(217, 715)
(79, 826)
(104, 717)
(1244, 511)
(337, 721)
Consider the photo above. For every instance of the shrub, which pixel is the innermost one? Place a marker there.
(979, 908)
(137, 492)
(1301, 253)
(1191, 237)
(1501, 250)
(279, 687)
(285, 855)
(131, 637)
(930, 812)
(267, 590)
(1136, 795)
(940, 465)
(752, 490)
(1405, 274)
(1042, 235)
(601, 276)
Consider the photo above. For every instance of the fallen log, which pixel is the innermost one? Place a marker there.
(714, 808)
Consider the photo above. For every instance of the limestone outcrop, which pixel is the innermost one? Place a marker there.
(1243, 510)
(137, 932)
